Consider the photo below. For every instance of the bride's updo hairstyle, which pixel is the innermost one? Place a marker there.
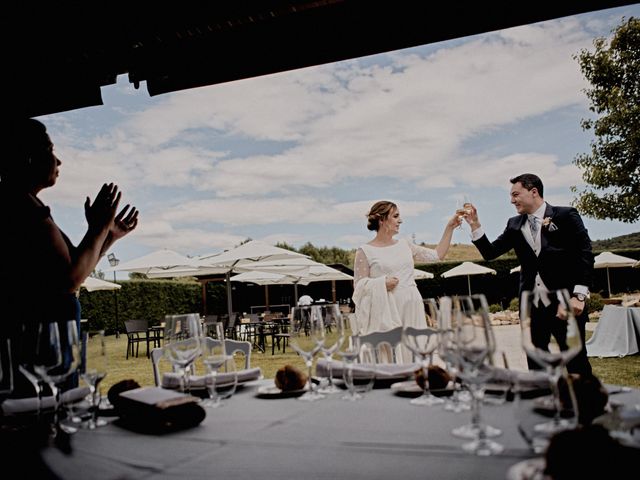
(379, 211)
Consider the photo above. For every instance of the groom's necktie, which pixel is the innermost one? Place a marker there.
(533, 225)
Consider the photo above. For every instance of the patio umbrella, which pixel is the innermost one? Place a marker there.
(421, 274)
(158, 261)
(467, 269)
(296, 271)
(236, 259)
(611, 260)
(92, 284)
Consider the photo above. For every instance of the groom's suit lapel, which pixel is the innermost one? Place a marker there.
(518, 225)
(548, 213)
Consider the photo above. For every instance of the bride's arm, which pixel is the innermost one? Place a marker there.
(360, 267)
(427, 255)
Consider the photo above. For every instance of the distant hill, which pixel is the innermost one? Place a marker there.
(460, 252)
(623, 242)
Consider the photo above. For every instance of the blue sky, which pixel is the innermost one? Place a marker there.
(300, 156)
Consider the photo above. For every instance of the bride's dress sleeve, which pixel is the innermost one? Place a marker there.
(360, 267)
(422, 254)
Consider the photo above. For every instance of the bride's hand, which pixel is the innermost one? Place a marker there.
(454, 222)
(391, 283)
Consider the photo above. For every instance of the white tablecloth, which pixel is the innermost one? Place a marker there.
(379, 437)
(617, 333)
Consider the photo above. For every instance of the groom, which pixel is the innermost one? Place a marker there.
(554, 250)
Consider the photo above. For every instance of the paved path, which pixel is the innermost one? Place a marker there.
(508, 341)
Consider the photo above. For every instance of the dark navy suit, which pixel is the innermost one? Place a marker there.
(565, 260)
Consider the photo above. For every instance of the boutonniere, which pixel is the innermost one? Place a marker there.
(549, 225)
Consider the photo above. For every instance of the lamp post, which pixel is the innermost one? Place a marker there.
(113, 261)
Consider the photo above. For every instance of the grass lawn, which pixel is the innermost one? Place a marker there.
(619, 371)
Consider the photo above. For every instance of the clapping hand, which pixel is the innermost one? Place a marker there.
(101, 213)
(124, 222)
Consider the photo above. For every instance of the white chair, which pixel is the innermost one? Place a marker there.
(230, 348)
(383, 346)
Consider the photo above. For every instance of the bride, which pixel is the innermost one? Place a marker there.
(385, 292)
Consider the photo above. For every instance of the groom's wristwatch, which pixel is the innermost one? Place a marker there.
(580, 296)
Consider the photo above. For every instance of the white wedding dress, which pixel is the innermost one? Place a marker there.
(395, 260)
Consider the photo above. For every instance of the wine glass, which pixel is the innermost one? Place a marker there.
(307, 334)
(551, 353)
(6, 369)
(333, 322)
(358, 379)
(463, 207)
(94, 371)
(55, 356)
(476, 345)
(448, 350)
(182, 345)
(423, 342)
(221, 379)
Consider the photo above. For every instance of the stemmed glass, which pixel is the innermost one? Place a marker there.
(448, 350)
(94, 371)
(463, 207)
(359, 381)
(555, 353)
(55, 356)
(6, 369)
(182, 347)
(221, 379)
(333, 322)
(423, 342)
(476, 345)
(307, 335)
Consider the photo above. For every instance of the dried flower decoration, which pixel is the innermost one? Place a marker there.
(549, 225)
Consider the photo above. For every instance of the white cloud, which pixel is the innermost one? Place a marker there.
(294, 154)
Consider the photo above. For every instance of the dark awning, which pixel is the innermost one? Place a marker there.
(57, 55)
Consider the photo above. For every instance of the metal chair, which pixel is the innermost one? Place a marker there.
(137, 333)
(280, 335)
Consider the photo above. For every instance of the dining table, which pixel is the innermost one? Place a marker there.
(381, 436)
(617, 333)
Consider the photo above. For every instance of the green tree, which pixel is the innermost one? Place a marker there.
(612, 168)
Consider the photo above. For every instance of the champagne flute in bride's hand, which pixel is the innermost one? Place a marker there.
(464, 207)
(93, 372)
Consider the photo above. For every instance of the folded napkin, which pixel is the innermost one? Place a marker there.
(171, 380)
(384, 371)
(524, 379)
(13, 406)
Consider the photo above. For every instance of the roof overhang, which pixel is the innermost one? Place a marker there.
(57, 55)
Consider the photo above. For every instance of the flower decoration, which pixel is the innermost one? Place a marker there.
(549, 225)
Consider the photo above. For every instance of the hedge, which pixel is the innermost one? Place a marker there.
(139, 299)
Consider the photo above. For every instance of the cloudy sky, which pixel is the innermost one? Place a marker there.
(300, 156)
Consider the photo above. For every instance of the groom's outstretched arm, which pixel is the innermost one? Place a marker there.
(488, 250)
